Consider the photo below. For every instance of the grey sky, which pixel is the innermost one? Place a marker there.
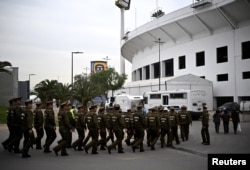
(38, 36)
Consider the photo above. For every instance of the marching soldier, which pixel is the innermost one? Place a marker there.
(88, 136)
(80, 127)
(109, 124)
(164, 125)
(139, 127)
(72, 122)
(65, 130)
(204, 130)
(92, 124)
(128, 120)
(184, 121)
(153, 127)
(173, 126)
(117, 125)
(102, 125)
(38, 124)
(49, 126)
(26, 126)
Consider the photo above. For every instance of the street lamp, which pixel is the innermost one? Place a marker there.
(159, 42)
(72, 66)
(107, 59)
(123, 5)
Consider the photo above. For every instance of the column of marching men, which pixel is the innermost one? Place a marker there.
(104, 130)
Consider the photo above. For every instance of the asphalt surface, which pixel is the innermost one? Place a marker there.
(187, 155)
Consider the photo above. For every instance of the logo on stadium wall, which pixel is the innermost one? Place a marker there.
(98, 66)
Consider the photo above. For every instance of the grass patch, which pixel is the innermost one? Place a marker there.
(3, 114)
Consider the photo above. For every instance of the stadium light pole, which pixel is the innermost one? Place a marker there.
(123, 5)
(72, 67)
(159, 42)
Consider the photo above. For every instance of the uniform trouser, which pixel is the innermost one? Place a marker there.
(10, 137)
(217, 126)
(119, 134)
(29, 139)
(103, 135)
(139, 133)
(226, 127)
(86, 139)
(205, 134)
(154, 135)
(174, 135)
(184, 131)
(16, 138)
(164, 132)
(81, 136)
(129, 133)
(51, 136)
(65, 133)
(39, 136)
(235, 125)
(70, 140)
(94, 135)
(110, 136)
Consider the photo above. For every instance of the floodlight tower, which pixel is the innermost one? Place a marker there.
(123, 5)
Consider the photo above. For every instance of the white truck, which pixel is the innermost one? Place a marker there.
(194, 100)
(127, 101)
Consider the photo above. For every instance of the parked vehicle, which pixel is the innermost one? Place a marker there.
(127, 101)
(229, 106)
(245, 106)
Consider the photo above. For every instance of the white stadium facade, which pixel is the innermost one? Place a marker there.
(209, 39)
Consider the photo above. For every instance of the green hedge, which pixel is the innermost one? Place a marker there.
(3, 114)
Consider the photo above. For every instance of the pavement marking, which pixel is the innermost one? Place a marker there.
(190, 151)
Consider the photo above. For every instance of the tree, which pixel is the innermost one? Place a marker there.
(84, 89)
(46, 90)
(62, 91)
(3, 65)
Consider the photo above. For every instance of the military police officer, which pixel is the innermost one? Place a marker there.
(38, 124)
(173, 126)
(164, 125)
(128, 120)
(184, 121)
(204, 130)
(153, 127)
(102, 126)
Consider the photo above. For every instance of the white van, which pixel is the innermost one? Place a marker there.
(245, 106)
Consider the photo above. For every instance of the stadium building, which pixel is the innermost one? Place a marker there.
(209, 39)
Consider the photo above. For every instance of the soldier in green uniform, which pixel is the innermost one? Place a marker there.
(15, 123)
(65, 130)
(139, 129)
(26, 126)
(92, 124)
(9, 116)
(173, 127)
(71, 115)
(38, 124)
(102, 125)
(109, 124)
(88, 136)
(153, 127)
(204, 130)
(184, 121)
(80, 127)
(128, 120)
(49, 126)
(164, 126)
(117, 125)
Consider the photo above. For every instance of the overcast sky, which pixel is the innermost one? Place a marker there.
(38, 36)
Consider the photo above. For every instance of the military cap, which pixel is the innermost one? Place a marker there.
(38, 103)
(93, 105)
(110, 107)
(28, 101)
(11, 100)
(101, 108)
(17, 98)
(116, 105)
(80, 106)
(128, 110)
(160, 107)
(204, 107)
(49, 102)
(183, 107)
(139, 106)
(63, 104)
(171, 108)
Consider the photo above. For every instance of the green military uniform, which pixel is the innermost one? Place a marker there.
(65, 130)
(49, 126)
(26, 126)
(117, 125)
(109, 124)
(139, 126)
(153, 127)
(92, 124)
(128, 120)
(173, 126)
(71, 115)
(184, 121)
(38, 124)
(204, 130)
(80, 127)
(164, 126)
(102, 125)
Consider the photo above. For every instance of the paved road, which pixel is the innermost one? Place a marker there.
(188, 155)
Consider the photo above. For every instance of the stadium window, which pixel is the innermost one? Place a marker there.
(147, 72)
(169, 68)
(182, 62)
(222, 54)
(140, 73)
(222, 77)
(246, 75)
(203, 77)
(155, 96)
(200, 59)
(178, 95)
(245, 49)
(156, 70)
